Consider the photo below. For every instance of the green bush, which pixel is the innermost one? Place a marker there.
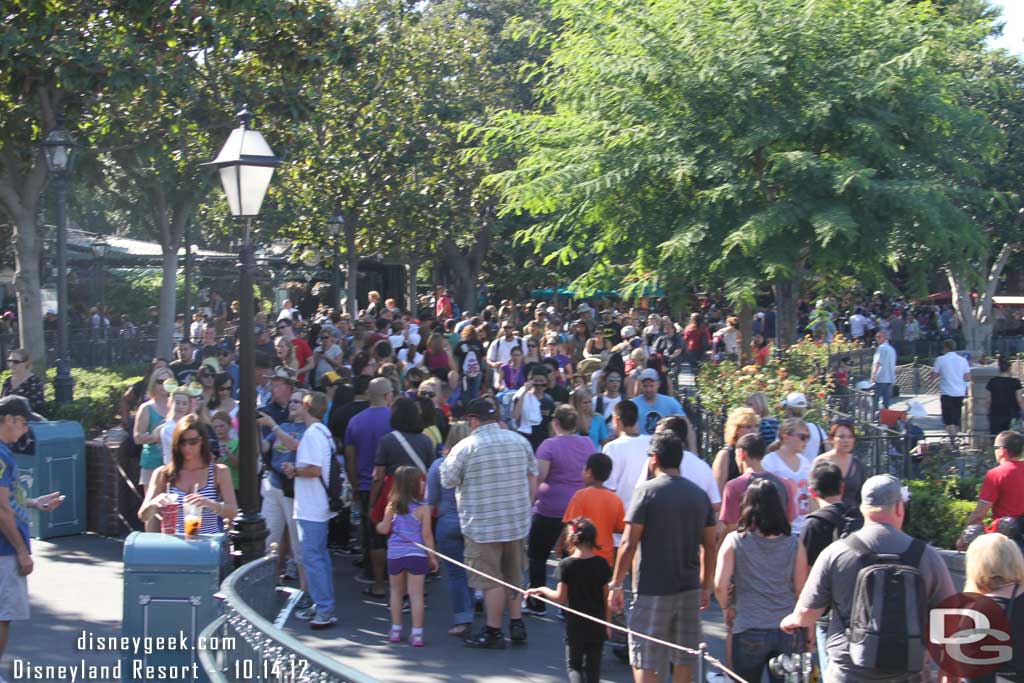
(935, 516)
(97, 397)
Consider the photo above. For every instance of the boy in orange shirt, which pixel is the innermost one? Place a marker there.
(600, 505)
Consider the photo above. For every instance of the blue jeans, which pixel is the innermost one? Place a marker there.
(317, 561)
(751, 650)
(451, 543)
(883, 394)
(470, 388)
(821, 634)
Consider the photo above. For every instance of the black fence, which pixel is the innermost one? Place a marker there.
(88, 350)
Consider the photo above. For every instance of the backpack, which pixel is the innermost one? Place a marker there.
(844, 522)
(887, 617)
(335, 482)
(471, 364)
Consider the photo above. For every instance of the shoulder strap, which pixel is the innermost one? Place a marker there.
(829, 514)
(410, 451)
(912, 555)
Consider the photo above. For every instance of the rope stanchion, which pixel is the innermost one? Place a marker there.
(701, 654)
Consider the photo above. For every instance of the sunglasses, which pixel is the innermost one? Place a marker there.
(427, 394)
(193, 441)
(14, 361)
(227, 387)
(804, 436)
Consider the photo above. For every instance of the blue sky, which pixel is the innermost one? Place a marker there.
(1013, 35)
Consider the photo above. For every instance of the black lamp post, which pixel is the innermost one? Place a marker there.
(246, 164)
(335, 226)
(59, 148)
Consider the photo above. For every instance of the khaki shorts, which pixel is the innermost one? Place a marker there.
(13, 591)
(505, 560)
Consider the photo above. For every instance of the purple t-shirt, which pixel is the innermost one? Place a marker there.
(363, 433)
(567, 455)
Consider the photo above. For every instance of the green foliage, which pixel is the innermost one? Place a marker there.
(934, 516)
(727, 384)
(136, 291)
(97, 399)
(746, 138)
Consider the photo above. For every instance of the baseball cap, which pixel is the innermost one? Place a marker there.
(19, 407)
(628, 331)
(330, 378)
(283, 373)
(584, 308)
(795, 399)
(881, 490)
(481, 408)
(649, 373)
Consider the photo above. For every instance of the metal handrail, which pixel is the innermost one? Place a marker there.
(260, 651)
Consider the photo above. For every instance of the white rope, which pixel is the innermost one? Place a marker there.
(629, 632)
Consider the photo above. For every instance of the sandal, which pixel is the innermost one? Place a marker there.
(460, 630)
(368, 591)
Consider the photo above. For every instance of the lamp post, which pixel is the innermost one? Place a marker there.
(58, 148)
(246, 164)
(334, 227)
(99, 248)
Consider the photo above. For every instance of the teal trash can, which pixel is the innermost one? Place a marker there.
(169, 584)
(58, 464)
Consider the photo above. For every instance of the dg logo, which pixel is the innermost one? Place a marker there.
(969, 635)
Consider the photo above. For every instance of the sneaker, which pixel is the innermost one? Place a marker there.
(416, 640)
(396, 634)
(306, 614)
(486, 639)
(305, 602)
(517, 630)
(534, 607)
(363, 579)
(320, 622)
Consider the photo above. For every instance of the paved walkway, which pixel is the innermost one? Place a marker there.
(78, 582)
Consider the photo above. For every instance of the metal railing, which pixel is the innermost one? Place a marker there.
(254, 649)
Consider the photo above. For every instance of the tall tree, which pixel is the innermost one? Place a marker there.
(752, 139)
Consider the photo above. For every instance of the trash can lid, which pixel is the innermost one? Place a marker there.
(143, 549)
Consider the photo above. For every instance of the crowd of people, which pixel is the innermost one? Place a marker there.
(502, 438)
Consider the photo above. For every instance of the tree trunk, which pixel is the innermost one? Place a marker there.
(27, 286)
(352, 275)
(976, 321)
(786, 311)
(746, 316)
(168, 296)
(465, 267)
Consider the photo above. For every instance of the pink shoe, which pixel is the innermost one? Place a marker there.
(396, 634)
(417, 640)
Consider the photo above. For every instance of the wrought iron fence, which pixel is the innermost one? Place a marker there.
(245, 645)
(89, 351)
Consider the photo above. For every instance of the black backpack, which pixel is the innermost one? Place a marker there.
(845, 519)
(335, 484)
(885, 632)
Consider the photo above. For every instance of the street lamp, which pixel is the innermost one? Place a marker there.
(335, 226)
(246, 164)
(100, 248)
(59, 148)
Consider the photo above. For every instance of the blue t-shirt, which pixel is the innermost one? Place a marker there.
(9, 480)
(649, 414)
(279, 454)
(598, 430)
(363, 433)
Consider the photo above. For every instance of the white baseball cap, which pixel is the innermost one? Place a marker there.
(795, 399)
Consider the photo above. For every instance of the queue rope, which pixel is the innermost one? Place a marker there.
(629, 632)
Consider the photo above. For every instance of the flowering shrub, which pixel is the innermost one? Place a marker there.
(808, 356)
(727, 384)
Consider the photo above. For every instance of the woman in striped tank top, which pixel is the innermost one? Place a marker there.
(192, 477)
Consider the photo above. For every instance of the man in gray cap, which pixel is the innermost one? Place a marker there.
(833, 578)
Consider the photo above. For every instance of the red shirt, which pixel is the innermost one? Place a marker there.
(696, 338)
(302, 354)
(1004, 488)
(733, 496)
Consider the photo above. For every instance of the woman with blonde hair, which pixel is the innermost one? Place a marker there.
(286, 354)
(740, 422)
(149, 417)
(786, 460)
(758, 402)
(995, 569)
(589, 424)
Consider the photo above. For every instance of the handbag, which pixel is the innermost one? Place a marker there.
(377, 514)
